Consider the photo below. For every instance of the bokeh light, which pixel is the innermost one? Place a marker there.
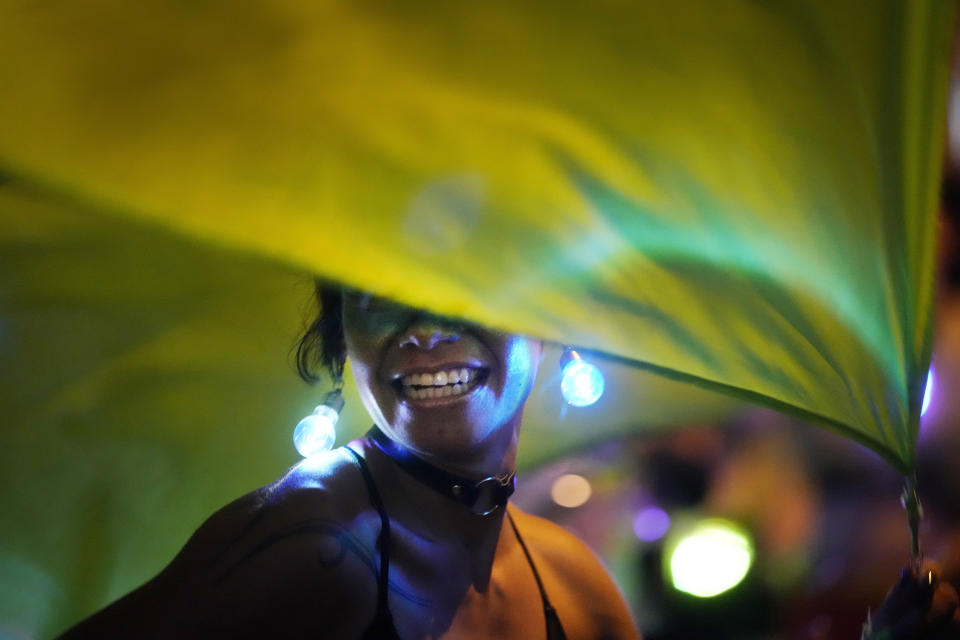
(651, 523)
(317, 432)
(710, 559)
(582, 383)
(570, 490)
(928, 390)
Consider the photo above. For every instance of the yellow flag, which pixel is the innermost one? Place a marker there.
(735, 194)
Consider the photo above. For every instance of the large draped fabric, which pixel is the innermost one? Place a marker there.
(716, 195)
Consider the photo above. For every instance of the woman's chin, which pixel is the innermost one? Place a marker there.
(451, 435)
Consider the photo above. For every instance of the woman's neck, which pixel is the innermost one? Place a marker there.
(427, 512)
(495, 457)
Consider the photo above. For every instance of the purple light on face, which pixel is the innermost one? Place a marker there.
(651, 523)
(928, 391)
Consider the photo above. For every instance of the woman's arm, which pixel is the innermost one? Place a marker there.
(161, 608)
(277, 562)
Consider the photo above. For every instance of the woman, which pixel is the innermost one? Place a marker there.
(405, 533)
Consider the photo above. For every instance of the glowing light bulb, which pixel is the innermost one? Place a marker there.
(582, 383)
(711, 559)
(928, 391)
(317, 432)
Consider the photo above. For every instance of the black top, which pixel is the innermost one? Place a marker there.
(382, 627)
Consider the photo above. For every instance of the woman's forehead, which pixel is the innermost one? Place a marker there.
(368, 309)
(366, 300)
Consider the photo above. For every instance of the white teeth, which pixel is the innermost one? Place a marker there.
(444, 391)
(442, 384)
(439, 379)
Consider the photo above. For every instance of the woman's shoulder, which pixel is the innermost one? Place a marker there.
(555, 545)
(577, 583)
(303, 527)
(328, 483)
(325, 491)
(292, 558)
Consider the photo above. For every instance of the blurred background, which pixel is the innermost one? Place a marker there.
(807, 525)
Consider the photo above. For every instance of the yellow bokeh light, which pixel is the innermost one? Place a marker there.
(711, 559)
(570, 490)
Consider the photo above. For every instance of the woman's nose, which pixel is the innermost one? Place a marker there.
(428, 334)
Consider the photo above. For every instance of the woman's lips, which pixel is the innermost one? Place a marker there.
(450, 383)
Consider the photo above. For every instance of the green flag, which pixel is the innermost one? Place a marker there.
(734, 194)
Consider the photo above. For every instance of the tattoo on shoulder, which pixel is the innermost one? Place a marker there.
(347, 541)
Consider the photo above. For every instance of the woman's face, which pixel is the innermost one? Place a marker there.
(437, 386)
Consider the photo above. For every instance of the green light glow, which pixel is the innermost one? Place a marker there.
(711, 559)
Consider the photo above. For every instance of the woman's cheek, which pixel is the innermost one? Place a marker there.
(520, 370)
(371, 394)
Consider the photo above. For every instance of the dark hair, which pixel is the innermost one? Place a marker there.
(322, 347)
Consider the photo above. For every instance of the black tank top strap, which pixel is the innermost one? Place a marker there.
(382, 625)
(554, 628)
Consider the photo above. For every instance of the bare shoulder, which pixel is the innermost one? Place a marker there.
(318, 501)
(579, 587)
(565, 553)
(290, 559)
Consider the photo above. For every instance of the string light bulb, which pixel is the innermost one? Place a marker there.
(317, 432)
(581, 382)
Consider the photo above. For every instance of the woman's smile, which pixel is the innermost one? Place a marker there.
(446, 384)
(438, 386)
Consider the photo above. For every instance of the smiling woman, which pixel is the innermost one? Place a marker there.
(473, 428)
(405, 533)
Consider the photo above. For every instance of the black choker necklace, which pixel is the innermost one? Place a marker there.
(483, 498)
